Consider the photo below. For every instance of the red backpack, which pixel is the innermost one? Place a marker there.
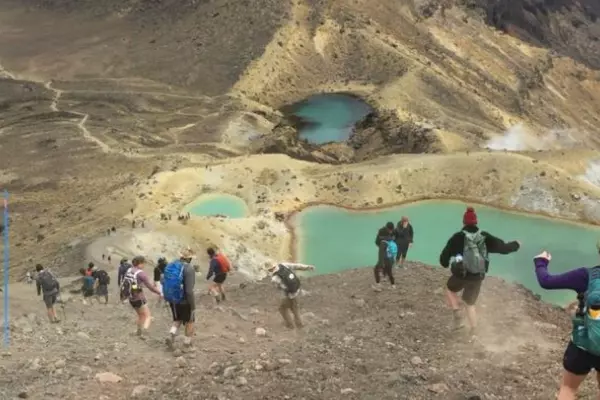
(223, 262)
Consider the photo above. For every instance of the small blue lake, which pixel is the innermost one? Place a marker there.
(335, 239)
(328, 117)
(218, 204)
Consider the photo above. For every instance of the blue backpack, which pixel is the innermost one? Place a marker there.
(173, 282)
(391, 250)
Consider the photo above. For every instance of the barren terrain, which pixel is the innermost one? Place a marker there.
(120, 111)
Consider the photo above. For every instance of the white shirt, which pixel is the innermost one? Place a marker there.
(277, 280)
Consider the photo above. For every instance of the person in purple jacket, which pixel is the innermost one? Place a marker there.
(577, 362)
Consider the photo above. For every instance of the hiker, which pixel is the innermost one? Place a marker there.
(159, 271)
(283, 276)
(466, 253)
(404, 239)
(132, 289)
(124, 265)
(103, 257)
(90, 269)
(109, 258)
(219, 266)
(178, 288)
(583, 351)
(88, 283)
(386, 255)
(47, 284)
(29, 278)
(102, 281)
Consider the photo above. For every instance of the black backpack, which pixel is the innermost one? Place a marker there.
(289, 279)
(103, 277)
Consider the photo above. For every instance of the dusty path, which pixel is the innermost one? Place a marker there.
(81, 124)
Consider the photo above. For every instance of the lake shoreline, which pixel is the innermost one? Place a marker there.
(468, 202)
(359, 250)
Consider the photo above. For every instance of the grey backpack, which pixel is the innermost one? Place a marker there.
(475, 255)
(47, 281)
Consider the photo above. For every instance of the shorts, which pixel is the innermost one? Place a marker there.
(220, 278)
(470, 288)
(102, 290)
(182, 313)
(578, 361)
(50, 300)
(402, 250)
(136, 304)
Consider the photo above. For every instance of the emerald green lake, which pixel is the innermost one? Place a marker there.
(334, 239)
(218, 204)
(329, 117)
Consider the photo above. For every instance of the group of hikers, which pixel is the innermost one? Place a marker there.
(466, 254)
(173, 282)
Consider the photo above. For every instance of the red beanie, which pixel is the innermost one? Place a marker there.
(470, 218)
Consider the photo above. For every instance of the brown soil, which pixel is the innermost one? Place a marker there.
(357, 344)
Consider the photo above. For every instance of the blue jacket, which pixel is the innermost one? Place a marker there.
(214, 268)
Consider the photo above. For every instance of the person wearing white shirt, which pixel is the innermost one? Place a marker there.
(283, 275)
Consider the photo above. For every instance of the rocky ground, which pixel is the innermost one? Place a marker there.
(357, 344)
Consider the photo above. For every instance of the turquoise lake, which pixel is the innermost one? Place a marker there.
(218, 204)
(334, 239)
(329, 117)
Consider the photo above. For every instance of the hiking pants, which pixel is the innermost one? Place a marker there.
(387, 268)
(290, 306)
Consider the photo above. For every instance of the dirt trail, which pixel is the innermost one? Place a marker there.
(81, 124)
(356, 344)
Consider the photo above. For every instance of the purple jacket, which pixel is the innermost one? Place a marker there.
(576, 279)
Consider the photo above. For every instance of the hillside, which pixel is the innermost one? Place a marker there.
(122, 111)
(357, 345)
(115, 92)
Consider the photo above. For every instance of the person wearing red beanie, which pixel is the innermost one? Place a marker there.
(466, 253)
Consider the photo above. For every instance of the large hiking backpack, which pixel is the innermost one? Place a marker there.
(475, 255)
(289, 279)
(586, 324)
(129, 285)
(391, 250)
(223, 263)
(173, 291)
(103, 277)
(47, 281)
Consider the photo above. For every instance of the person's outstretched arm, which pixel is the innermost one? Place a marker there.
(576, 279)
(148, 283)
(498, 246)
(298, 266)
(38, 285)
(453, 247)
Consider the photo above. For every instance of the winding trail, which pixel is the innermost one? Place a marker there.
(81, 124)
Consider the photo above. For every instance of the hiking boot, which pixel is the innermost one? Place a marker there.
(393, 287)
(170, 342)
(457, 321)
(223, 298)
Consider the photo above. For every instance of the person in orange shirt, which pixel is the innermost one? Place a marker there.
(219, 266)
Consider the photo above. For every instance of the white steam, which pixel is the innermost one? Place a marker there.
(592, 173)
(519, 138)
